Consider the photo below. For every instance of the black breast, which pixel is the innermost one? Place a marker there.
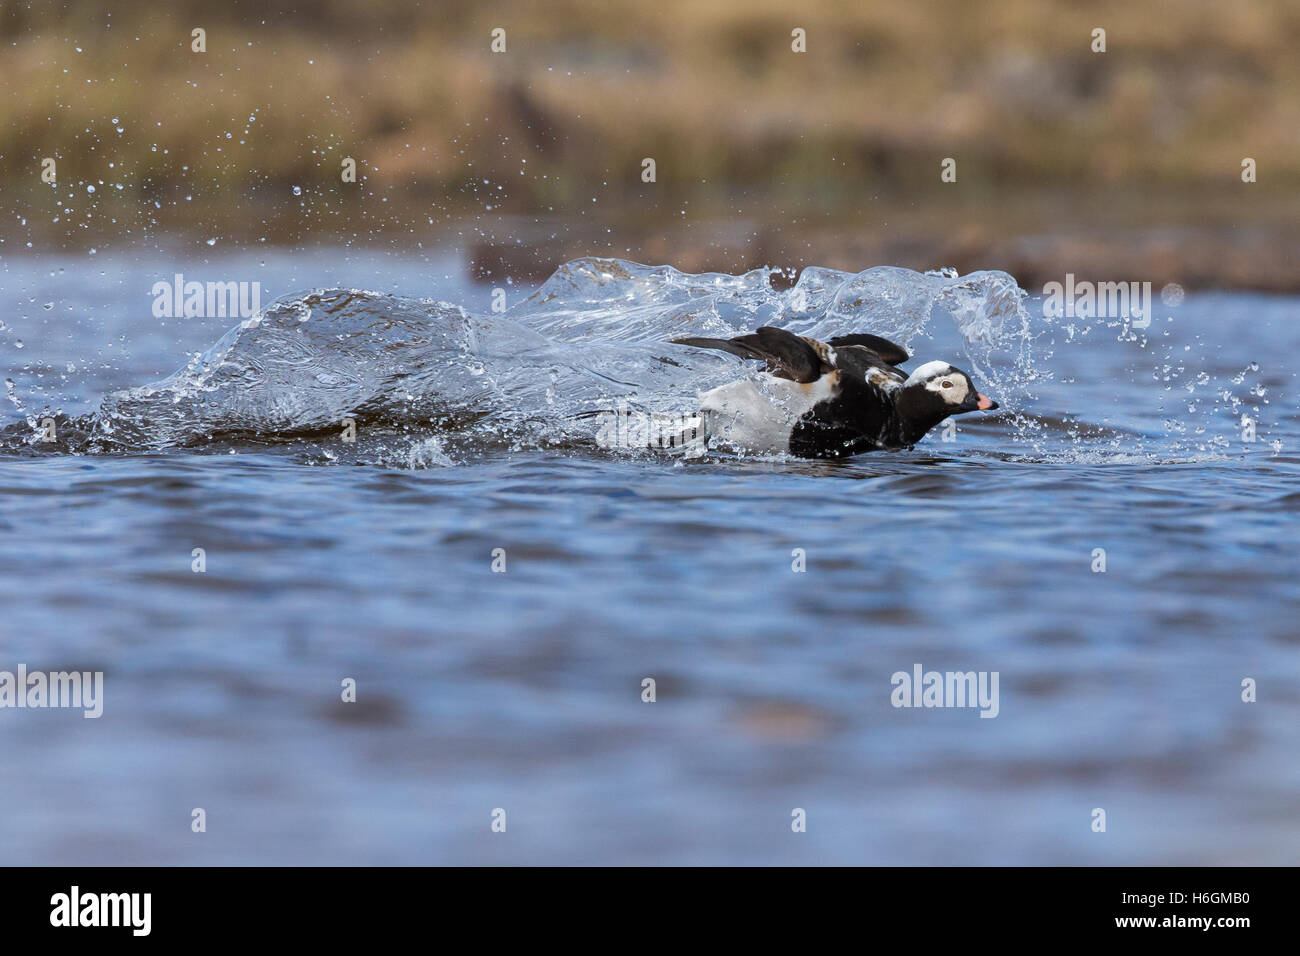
(858, 419)
(811, 439)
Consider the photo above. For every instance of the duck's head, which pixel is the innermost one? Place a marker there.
(937, 390)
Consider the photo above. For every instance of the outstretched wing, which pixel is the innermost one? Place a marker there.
(867, 357)
(870, 367)
(787, 355)
(887, 350)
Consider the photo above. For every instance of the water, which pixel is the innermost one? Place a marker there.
(522, 690)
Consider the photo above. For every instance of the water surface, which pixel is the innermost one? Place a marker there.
(522, 690)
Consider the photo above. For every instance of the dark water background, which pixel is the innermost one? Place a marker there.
(521, 690)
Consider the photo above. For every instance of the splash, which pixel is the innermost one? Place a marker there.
(325, 365)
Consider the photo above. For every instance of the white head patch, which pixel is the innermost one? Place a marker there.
(943, 379)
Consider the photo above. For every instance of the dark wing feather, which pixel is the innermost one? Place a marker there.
(887, 350)
(786, 354)
(869, 366)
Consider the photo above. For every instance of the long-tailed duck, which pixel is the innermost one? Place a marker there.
(830, 399)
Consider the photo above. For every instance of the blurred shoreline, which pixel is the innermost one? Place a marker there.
(1036, 238)
(1119, 164)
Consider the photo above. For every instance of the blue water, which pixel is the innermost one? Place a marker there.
(522, 690)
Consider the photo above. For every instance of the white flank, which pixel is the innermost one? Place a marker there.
(758, 416)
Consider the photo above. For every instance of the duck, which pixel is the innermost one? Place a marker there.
(830, 399)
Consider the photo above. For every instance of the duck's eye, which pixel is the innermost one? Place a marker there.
(947, 384)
